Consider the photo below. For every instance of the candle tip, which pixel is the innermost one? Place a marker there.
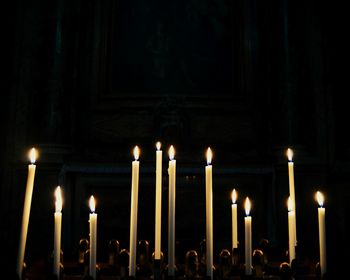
(171, 152)
(320, 198)
(92, 204)
(209, 156)
(158, 145)
(234, 196)
(32, 155)
(58, 202)
(290, 154)
(247, 206)
(136, 152)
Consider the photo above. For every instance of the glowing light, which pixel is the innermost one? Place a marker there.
(319, 198)
(58, 202)
(92, 204)
(171, 152)
(209, 156)
(234, 196)
(32, 155)
(158, 145)
(247, 206)
(289, 204)
(136, 152)
(290, 154)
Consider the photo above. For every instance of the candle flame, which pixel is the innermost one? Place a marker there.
(171, 152)
(247, 206)
(234, 196)
(290, 154)
(158, 145)
(320, 198)
(136, 152)
(289, 204)
(32, 155)
(209, 156)
(58, 202)
(92, 203)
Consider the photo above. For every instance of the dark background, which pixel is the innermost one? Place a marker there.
(84, 81)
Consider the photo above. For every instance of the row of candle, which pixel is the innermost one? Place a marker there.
(171, 222)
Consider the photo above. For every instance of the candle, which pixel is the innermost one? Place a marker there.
(322, 232)
(133, 212)
(209, 213)
(292, 190)
(26, 212)
(93, 238)
(248, 238)
(158, 226)
(57, 233)
(171, 225)
(234, 219)
(291, 239)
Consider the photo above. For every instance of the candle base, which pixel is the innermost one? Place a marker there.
(157, 269)
(285, 271)
(191, 265)
(235, 256)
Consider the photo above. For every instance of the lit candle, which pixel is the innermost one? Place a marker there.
(158, 226)
(248, 238)
(291, 218)
(292, 190)
(57, 233)
(209, 213)
(322, 232)
(171, 225)
(133, 212)
(234, 219)
(93, 238)
(26, 212)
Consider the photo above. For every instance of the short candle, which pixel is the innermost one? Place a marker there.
(171, 225)
(322, 232)
(57, 233)
(93, 238)
(234, 219)
(248, 238)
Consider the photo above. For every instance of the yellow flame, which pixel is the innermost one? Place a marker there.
(234, 196)
(289, 204)
(92, 203)
(247, 206)
(290, 154)
(58, 202)
(209, 155)
(319, 198)
(158, 145)
(171, 152)
(136, 152)
(32, 155)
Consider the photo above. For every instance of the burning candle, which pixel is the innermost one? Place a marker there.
(209, 213)
(26, 212)
(291, 218)
(158, 225)
(57, 233)
(171, 225)
(292, 189)
(133, 212)
(322, 232)
(248, 238)
(234, 219)
(93, 238)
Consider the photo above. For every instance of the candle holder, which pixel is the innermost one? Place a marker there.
(285, 272)
(123, 264)
(83, 248)
(202, 257)
(113, 253)
(225, 261)
(157, 266)
(191, 265)
(258, 263)
(144, 266)
(235, 255)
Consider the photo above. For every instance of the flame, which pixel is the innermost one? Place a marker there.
(171, 152)
(136, 152)
(290, 154)
(247, 206)
(158, 145)
(234, 196)
(32, 155)
(320, 198)
(209, 156)
(289, 204)
(58, 202)
(92, 203)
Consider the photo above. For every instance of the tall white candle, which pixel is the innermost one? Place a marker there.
(26, 212)
(248, 238)
(234, 219)
(57, 233)
(171, 225)
(93, 238)
(291, 238)
(322, 232)
(133, 212)
(158, 218)
(209, 213)
(292, 190)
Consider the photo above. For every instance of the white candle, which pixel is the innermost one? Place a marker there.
(322, 233)
(57, 233)
(93, 238)
(158, 218)
(291, 238)
(133, 212)
(248, 238)
(26, 212)
(171, 225)
(209, 213)
(292, 190)
(234, 219)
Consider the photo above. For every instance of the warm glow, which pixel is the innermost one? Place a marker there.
(289, 204)
(58, 202)
(171, 152)
(32, 155)
(136, 152)
(290, 154)
(209, 156)
(92, 203)
(247, 206)
(234, 196)
(320, 198)
(158, 145)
